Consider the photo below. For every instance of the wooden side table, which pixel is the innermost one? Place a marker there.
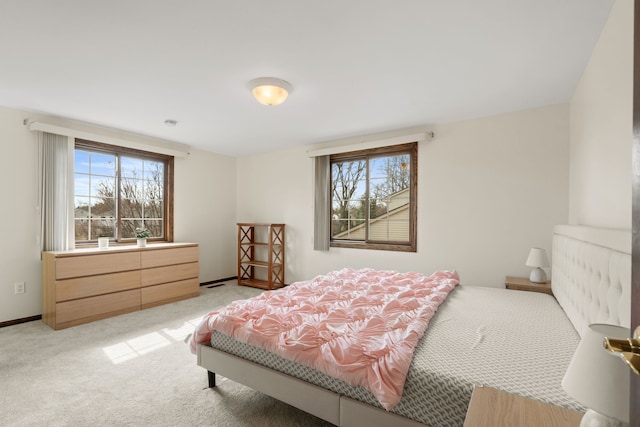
(494, 408)
(524, 284)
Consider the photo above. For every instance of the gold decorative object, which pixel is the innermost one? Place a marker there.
(628, 349)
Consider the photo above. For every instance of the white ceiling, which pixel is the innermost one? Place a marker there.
(357, 66)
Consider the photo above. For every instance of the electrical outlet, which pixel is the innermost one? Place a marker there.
(19, 287)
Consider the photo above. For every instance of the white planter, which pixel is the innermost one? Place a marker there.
(103, 242)
(142, 243)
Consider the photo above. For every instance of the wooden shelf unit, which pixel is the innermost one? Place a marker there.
(261, 255)
(83, 285)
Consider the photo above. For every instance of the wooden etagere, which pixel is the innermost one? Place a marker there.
(261, 255)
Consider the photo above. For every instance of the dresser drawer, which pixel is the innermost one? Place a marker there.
(168, 292)
(171, 273)
(82, 287)
(90, 265)
(98, 307)
(162, 257)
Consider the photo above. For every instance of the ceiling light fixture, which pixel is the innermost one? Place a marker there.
(270, 90)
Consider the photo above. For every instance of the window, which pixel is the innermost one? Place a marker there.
(117, 190)
(374, 198)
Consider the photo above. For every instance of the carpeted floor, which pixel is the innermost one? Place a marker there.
(130, 370)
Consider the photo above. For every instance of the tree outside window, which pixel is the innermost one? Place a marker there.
(119, 190)
(374, 198)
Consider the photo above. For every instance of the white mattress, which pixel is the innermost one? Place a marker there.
(520, 342)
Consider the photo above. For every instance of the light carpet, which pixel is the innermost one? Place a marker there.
(130, 370)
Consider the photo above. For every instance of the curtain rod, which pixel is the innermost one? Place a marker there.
(367, 143)
(109, 136)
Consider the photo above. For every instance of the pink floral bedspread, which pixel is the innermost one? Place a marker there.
(360, 326)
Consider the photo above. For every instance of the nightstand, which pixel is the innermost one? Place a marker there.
(494, 408)
(524, 284)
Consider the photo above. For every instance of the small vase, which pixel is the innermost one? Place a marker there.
(103, 242)
(142, 243)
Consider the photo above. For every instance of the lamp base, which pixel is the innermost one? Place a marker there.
(592, 418)
(538, 275)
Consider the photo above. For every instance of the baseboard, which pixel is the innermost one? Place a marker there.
(18, 321)
(212, 282)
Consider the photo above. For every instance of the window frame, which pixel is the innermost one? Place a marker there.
(168, 188)
(408, 148)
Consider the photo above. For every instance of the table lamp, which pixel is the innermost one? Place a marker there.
(598, 380)
(538, 259)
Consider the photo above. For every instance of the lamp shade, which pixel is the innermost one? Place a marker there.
(270, 90)
(595, 377)
(537, 258)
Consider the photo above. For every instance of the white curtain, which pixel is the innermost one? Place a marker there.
(322, 205)
(55, 195)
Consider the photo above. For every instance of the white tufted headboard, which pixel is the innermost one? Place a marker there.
(591, 274)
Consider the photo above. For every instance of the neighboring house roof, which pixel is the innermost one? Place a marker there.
(392, 226)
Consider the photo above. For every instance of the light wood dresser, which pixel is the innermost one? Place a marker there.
(84, 285)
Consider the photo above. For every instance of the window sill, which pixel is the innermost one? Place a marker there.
(373, 246)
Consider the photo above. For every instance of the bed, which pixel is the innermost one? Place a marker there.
(520, 342)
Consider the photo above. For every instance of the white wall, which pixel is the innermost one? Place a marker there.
(489, 190)
(203, 213)
(19, 254)
(601, 128)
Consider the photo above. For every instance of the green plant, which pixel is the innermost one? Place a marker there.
(105, 232)
(142, 233)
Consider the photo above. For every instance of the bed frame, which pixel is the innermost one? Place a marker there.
(591, 279)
